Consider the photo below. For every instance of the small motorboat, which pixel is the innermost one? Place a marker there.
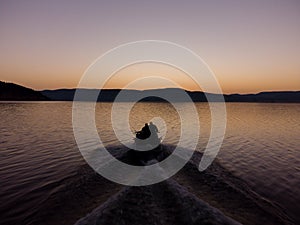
(145, 150)
(147, 138)
(147, 145)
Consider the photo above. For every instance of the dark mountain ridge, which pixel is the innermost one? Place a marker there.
(14, 92)
(109, 95)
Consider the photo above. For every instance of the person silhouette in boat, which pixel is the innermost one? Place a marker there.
(144, 133)
(149, 132)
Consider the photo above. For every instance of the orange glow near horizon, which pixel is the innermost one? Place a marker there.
(143, 70)
(237, 82)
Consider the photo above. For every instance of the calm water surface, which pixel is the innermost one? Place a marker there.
(38, 150)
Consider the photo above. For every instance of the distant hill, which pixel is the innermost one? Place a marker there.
(109, 95)
(10, 91)
(14, 92)
(276, 96)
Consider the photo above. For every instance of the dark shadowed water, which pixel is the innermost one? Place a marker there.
(38, 151)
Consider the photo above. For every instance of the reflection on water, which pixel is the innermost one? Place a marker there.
(38, 150)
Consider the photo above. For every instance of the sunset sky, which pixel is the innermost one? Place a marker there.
(251, 46)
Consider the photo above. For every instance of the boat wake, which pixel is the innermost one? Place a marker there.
(213, 196)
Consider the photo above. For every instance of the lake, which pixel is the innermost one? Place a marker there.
(39, 153)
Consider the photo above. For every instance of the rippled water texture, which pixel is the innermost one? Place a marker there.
(38, 150)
